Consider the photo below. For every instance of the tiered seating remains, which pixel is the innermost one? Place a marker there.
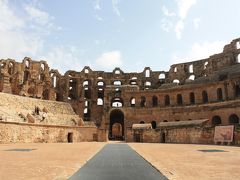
(15, 108)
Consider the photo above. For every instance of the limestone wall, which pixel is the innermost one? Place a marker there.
(191, 135)
(58, 113)
(148, 136)
(11, 132)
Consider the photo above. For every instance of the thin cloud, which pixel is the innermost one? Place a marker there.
(200, 51)
(196, 22)
(183, 8)
(115, 4)
(166, 12)
(109, 60)
(96, 5)
(166, 25)
(99, 18)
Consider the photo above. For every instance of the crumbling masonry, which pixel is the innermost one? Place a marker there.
(121, 105)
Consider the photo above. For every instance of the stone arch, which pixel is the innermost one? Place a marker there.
(133, 81)
(219, 94)
(27, 63)
(86, 114)
(176, 81)
(132, 102)
(117, 83)
(216, 120)
(116, 116)
(192, 77)
(179, 99)
(43, 66)
(100, 93)
(154, 101)
(233, 119)
(162, 76)
(192, 98)
(175, 69)
(10, 68)
(204, 97)
(100, 83)
(238, 45)
(238, 58)
(147, 73)
(143, 101)
(190, 68)
(117, 102)
(205, 65)
(166, 100)
(26, 76)
(148, 83)
(154, 124)
(237, 90)
(99, 101)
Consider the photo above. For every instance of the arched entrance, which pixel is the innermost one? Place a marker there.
(116, 127)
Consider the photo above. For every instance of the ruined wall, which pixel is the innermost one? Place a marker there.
(146, 136)
(33, 133)
(18, 109)
(206, 88)
(191, 135)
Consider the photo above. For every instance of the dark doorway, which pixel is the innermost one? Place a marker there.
(216, 120)
(137, 137)
(163, 138)
(70, 137)
(233, 119)
(116, 127)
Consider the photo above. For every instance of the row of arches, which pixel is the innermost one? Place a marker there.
(153, 123)
(232, 119)
(179, 99)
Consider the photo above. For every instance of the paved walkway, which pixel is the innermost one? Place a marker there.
(117, 162)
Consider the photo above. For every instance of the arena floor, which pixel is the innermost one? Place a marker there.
(175, 161)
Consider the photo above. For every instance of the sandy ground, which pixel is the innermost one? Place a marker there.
(176, 161)
(179, 161)
(47, 161)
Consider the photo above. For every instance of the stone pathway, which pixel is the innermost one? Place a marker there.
(117, 162)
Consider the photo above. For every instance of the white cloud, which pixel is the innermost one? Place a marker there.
(184, 6)
(109, 60)
(166, 24)
(18, 37)
(16, 42)
(115, 4)
(183, 9)
(37, 15)
(179, 28)
(200, 51)
(8, 20)
(63, 58)
(196, 22)
(166, 12)
(96, 5)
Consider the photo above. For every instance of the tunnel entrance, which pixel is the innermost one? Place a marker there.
(70, 137)
(116, 127)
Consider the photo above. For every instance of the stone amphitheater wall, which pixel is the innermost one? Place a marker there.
(12, 132)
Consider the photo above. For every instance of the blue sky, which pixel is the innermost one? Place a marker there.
(103, 34)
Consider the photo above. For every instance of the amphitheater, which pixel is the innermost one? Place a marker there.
(176, 124)
(194, 102)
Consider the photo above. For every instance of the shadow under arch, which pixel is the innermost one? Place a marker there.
(116, 126)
